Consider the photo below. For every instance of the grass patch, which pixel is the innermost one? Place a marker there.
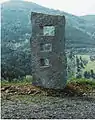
(90, 65)
(82, 81)
(18, 82)
(23, 89)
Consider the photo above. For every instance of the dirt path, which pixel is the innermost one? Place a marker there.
(29, 107)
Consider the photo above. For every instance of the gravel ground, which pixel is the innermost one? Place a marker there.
(42, 107)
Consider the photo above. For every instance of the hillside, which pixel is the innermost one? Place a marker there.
(89, 18)
(16, 23)
(16, 32)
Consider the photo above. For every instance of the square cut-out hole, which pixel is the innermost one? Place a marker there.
(46, 47)
(48, 30)
(44, 62)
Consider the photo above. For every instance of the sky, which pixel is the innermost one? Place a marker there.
(76, 7)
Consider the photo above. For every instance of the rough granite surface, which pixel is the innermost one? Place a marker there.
(54, 75)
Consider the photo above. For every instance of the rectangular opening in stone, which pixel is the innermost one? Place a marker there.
(46, 47)
(48, 30)
(48, 50)
(44, 62)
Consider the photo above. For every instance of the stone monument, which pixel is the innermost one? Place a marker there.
(48, 50)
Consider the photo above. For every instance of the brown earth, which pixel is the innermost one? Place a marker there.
(27, 102)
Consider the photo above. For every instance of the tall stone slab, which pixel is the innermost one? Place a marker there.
(48, 50)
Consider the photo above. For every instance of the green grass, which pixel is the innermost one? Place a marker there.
(83, 81)
(90, 65)
(74, 87)
(18, 82)
(85, 57)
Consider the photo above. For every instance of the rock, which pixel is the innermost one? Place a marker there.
(84, 94)
(5, 88)
(7, 91)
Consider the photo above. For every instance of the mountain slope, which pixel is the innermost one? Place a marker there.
(16, 23)
(89, 18)
(16, 32)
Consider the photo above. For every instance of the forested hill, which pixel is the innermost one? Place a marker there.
(16, 32)
(16, 24)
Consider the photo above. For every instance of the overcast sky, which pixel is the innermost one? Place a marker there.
(76, 7)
